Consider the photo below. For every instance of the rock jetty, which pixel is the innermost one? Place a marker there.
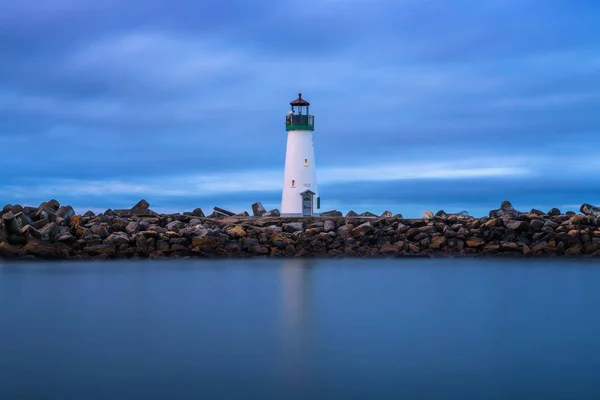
(55, 231)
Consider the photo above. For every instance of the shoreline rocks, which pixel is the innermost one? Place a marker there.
(52, 231)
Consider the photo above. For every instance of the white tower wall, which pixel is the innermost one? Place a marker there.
(300, 172)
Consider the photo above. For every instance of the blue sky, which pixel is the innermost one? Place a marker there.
(453, 104)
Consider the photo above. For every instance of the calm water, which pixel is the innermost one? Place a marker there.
(369, 329)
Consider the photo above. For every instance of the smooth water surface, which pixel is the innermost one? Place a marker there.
(331, 329)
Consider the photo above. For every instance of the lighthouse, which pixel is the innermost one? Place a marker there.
(300, 194)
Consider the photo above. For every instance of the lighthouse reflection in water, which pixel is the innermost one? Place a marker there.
(297, 318)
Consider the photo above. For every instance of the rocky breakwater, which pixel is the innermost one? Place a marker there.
(52, 231)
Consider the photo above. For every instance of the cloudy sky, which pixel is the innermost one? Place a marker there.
(439, 104)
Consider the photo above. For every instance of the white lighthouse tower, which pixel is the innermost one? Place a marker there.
(300, 194)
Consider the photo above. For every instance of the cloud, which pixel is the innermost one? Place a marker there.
(120, 99)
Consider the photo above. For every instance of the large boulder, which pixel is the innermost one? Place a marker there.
(65, 212)
(258, 210)
(554, 212)
(367, 214)
(332, 213)
(589, 209)
(198, 213)
(506, 209)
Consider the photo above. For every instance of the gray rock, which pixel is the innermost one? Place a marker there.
(274, 228)
(198, 213)
(54, 204)
(554, 212)
(506, 209)
(194, 222)
(17, 208)
(399, 216)
(332, 213)
(516, 225)
(99, 230)
(367, 214)
(589, 209)
(131, 228)
(118, 239)
(30, 233)
(49, 232)
(89, 213)
(258, 210)
(175, 226)
(143, 225)
(328, 226)
(344, 231)
(274, 213)
(387, 214)
(110, 212)
(7, 218)
(65, 212)
(351, 214)
(293, 227)
(20, 220)
(30, 211)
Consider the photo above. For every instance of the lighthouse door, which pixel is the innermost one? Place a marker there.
(307, 204)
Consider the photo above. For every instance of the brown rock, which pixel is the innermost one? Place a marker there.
(573, 250)
(475, 242)
(437, 242)
(8, 251)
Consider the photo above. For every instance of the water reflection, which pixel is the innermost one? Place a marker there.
(297, 321)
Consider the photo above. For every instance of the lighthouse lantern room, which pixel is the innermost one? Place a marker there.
(300, 193)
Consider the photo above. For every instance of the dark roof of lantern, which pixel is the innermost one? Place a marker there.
(300, 101)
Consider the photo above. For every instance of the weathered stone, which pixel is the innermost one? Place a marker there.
(237, 231)
(437, 242)
(344, 231)
(328, 226)
(89, 213)
(45, 250)
(475, 242)
(332, 213)
(351, 214)
(362, 229)
(554, 212)
(49, 232)
(387, 214)
(257, 209)
(65, 212)
(428, 215)
(516, 225)
(273, 213)
(573, 250)
(8, 251)
(175, 226)
(367, 214)
(580, 219)
(118, 239)
(100, 231)
(293, 227)
(162, 245)
(104, 248)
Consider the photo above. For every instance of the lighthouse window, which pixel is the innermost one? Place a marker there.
(306, 162)
(293, 183)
